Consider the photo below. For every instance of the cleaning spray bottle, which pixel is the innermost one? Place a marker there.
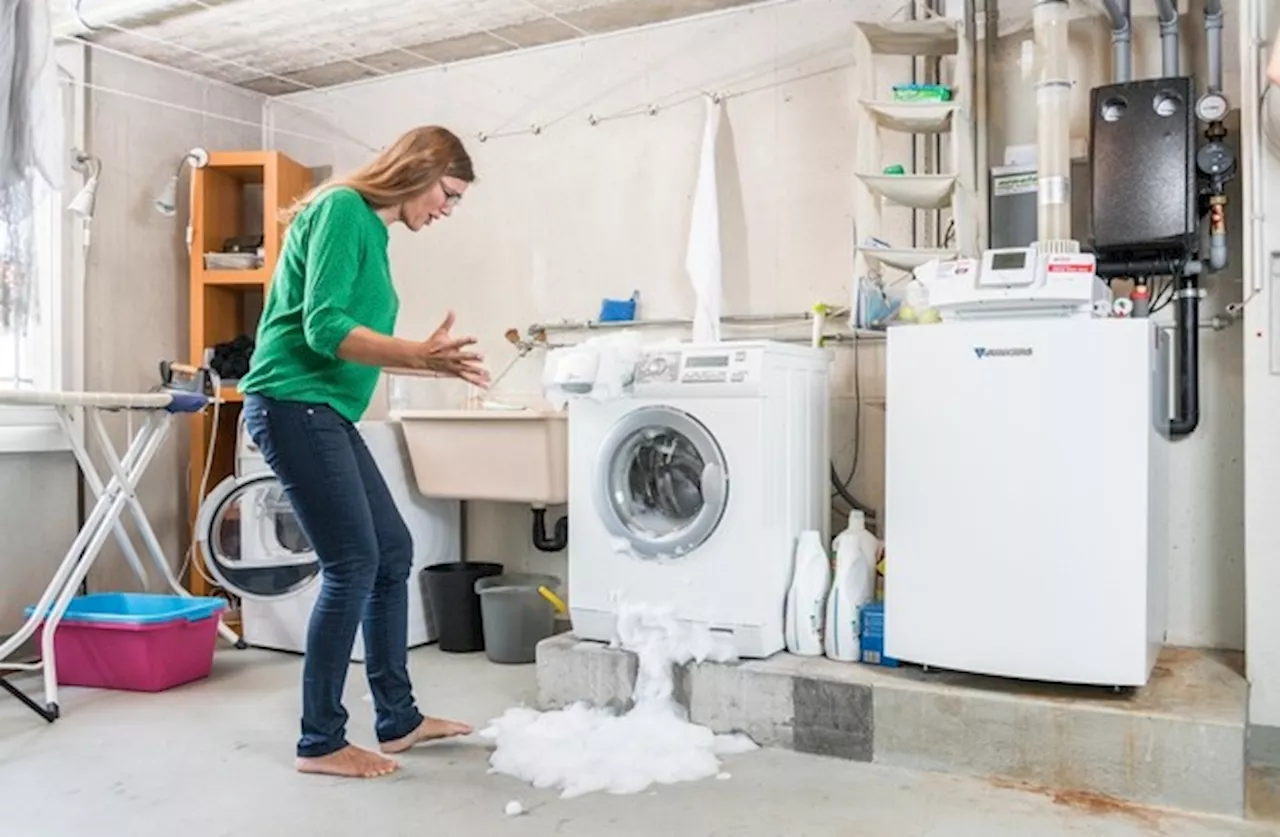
(854, 586)
(807, 597)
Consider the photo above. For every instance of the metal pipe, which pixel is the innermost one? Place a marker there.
(1169, 56)
(1144, 267)
(1053, 126)
(1213, 41)
(1218, 254)
(1121, 39)
(676, 322)
(1186, 346)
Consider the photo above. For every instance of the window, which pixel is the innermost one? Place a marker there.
(27, 357)
(32, 358)
(42, 356)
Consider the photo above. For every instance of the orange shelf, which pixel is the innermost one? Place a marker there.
(235, 278)
(225, 204)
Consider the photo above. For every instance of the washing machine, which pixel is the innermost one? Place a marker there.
(691, 487)
(254, 547)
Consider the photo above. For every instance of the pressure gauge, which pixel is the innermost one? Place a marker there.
(1212, 107)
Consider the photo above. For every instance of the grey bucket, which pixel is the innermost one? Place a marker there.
(516, 616)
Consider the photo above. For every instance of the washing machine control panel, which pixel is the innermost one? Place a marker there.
(727, 366)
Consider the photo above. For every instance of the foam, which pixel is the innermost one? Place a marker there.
(582, 749)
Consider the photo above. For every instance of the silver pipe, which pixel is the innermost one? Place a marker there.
(671, 322)
(1121, 39)
(1213, 38)
(1168, 13)
(842, 339)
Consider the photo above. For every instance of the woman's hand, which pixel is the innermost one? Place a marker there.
(444, 354)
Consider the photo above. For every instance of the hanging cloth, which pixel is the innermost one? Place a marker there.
(703, 259)
(31, 140)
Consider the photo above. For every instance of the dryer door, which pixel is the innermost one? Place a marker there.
(251, 541)
(662, 482)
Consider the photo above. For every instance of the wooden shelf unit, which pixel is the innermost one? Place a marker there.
(238, 193)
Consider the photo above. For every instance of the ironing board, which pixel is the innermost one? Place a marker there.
(120, 491)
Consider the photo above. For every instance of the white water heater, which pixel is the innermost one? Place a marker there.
(1026, 495)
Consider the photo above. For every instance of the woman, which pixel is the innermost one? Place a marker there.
(324, 334)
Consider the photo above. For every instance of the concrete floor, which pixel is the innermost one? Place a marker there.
(213, 759)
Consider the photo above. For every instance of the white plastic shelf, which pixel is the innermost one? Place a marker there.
(907, 259)
(912, 117)
(918, 191)
(932, 36)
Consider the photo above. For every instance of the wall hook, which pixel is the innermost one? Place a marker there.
(482, 136)
(653, 110)
(593, 120)
(537, 129)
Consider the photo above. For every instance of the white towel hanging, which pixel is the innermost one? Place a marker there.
(703, 260)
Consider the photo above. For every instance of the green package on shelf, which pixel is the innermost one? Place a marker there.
(921, 93)
(896, 168)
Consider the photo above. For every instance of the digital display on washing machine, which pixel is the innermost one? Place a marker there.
(707, 362)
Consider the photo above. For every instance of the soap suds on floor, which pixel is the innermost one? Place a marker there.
(581, 749)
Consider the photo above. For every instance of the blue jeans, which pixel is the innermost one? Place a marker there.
(365, 553)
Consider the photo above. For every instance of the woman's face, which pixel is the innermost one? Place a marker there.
(435, 203)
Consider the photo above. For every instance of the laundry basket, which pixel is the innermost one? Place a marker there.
(516, 616)
(139, 642)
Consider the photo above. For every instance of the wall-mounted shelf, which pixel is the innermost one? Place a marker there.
(926, 36)
(918, 191)
(912, 117)
(908, 259)
(945, 184)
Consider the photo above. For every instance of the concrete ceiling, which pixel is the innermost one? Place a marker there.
(285, 46)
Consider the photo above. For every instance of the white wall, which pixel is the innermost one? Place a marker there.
(136, 314)
(1262, 415)
(560, 219)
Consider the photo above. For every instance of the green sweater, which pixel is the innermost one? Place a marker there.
(332, 275)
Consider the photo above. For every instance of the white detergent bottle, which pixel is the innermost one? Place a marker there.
(854, 586)
(807, 598)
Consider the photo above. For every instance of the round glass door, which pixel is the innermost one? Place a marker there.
(251, 540)
(662, 483)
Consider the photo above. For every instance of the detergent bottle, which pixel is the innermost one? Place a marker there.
(807, 596)
(854, 586)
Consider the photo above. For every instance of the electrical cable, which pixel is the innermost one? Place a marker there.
(1165, 295)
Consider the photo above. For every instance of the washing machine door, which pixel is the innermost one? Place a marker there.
(662, 482)
(252, 544)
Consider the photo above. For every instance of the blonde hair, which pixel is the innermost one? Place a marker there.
(412, 164)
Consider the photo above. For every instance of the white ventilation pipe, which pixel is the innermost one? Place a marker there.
(1169, 57)
(90, 15)
(1053, 124)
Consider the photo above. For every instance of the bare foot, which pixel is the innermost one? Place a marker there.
(430, 729)
(350, 761)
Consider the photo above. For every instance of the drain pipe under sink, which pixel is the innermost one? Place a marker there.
(558, 541)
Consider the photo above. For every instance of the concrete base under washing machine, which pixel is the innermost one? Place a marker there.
(1178, 742)
(750, 642)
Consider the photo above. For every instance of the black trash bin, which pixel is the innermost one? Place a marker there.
(449, 590)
